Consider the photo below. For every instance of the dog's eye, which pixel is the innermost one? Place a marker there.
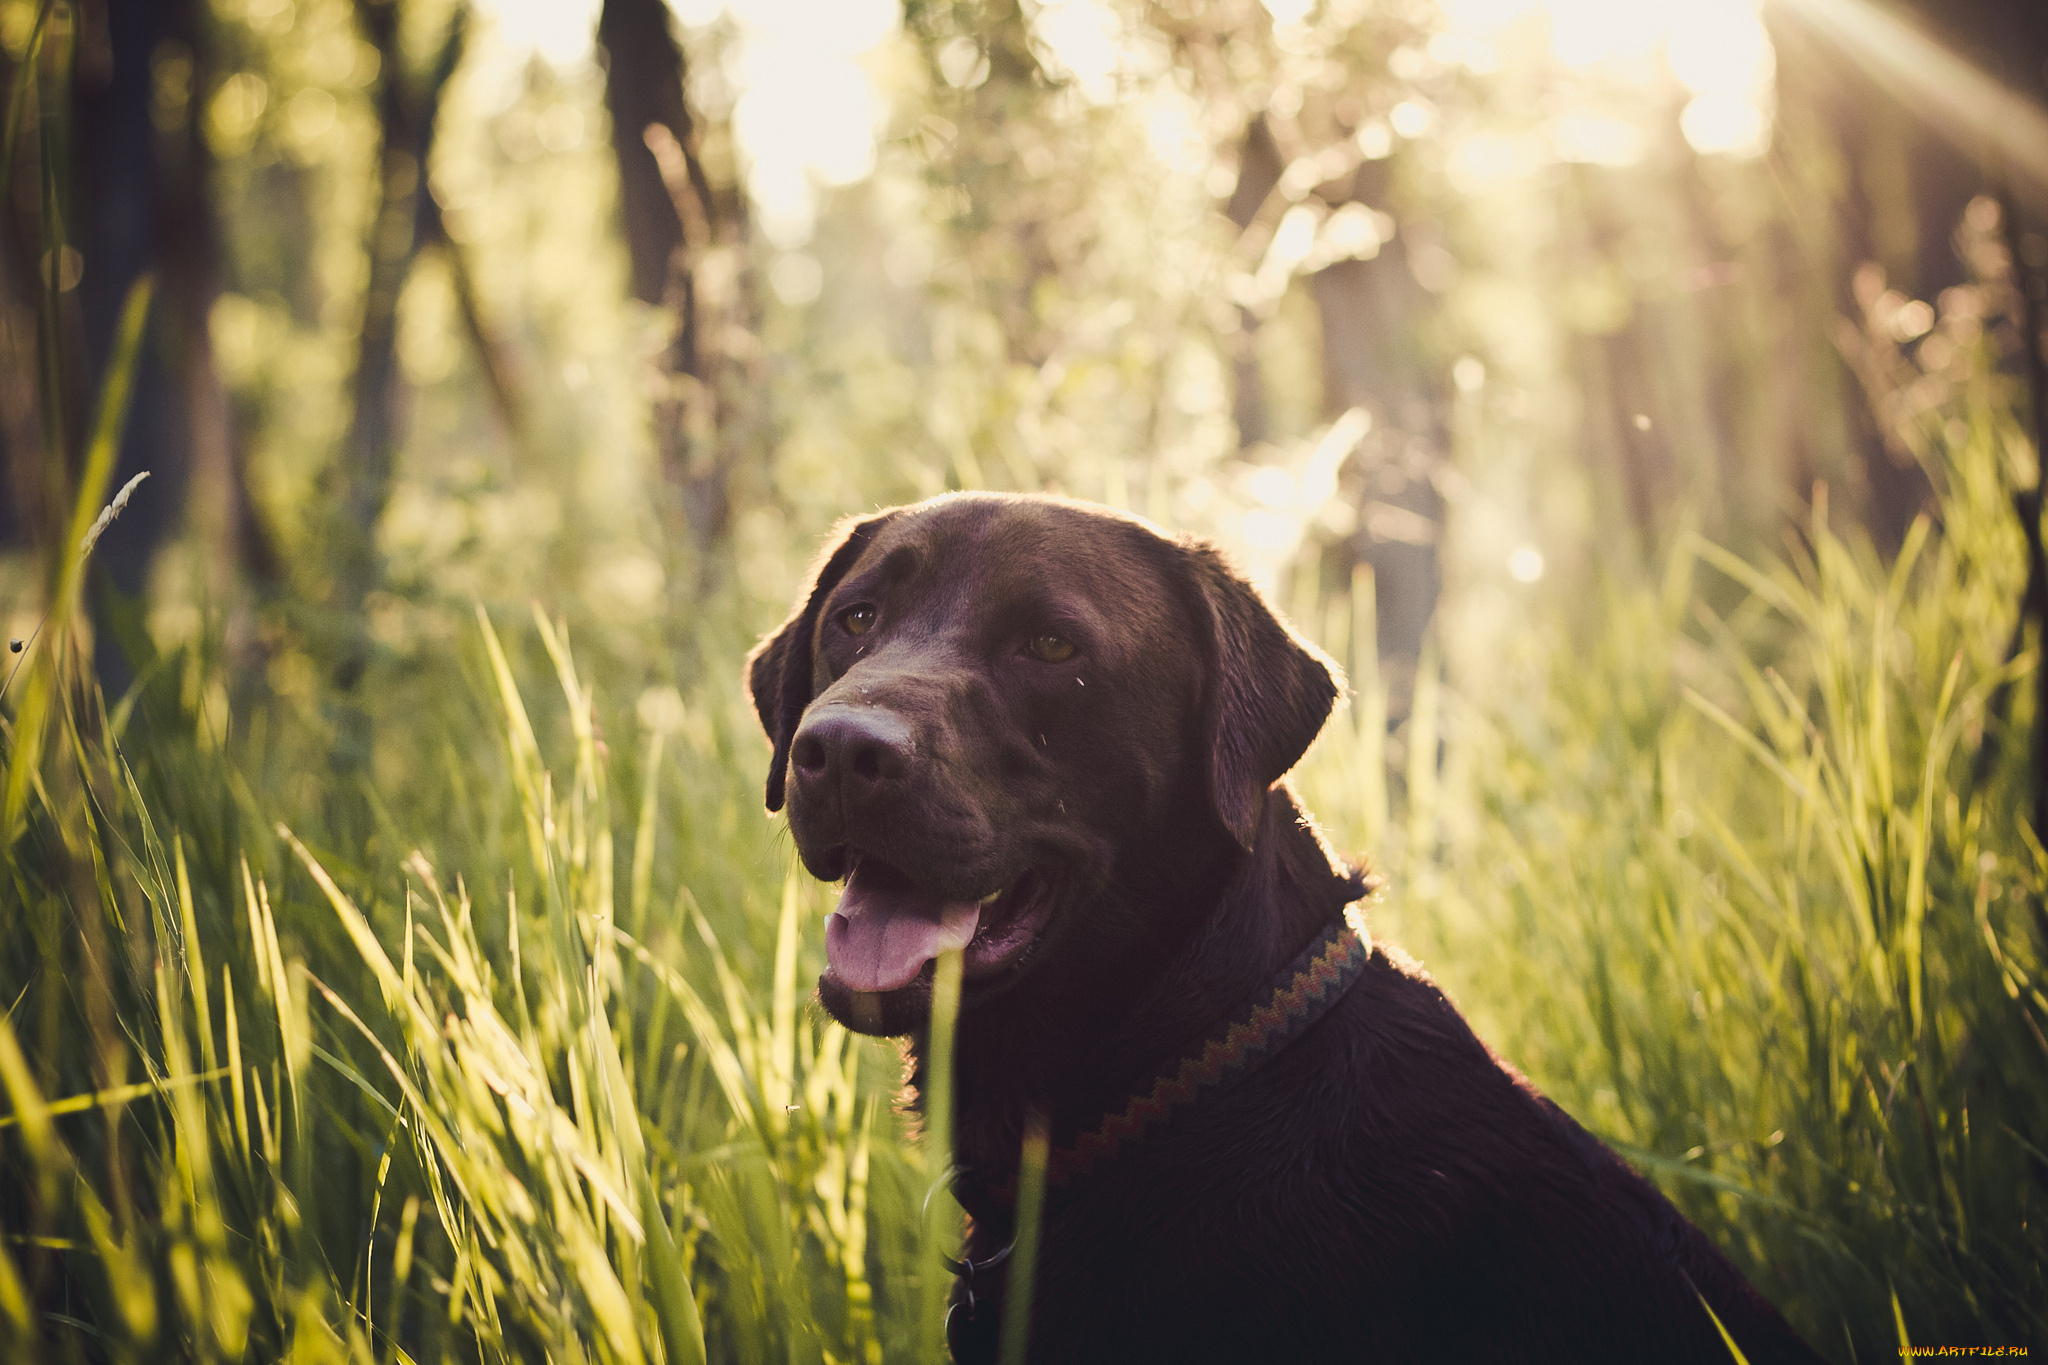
(1054, 649)
(858, 620)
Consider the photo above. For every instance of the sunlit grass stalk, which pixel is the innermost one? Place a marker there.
(941, 1219)
(1022, 1266)
(1757, 915)
(24, 89)
(111, 416)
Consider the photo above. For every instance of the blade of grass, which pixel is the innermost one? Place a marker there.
(109, 420)
(24, 86)
(643, 834)
(1734, 1351)
(780, 1078)
(942, 1234)
(1023, 1261)
(195, 962)
(114, 1096)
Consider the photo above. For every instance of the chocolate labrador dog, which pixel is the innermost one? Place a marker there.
(1045, 734)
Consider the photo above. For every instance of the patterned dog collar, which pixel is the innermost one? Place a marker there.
(1297, 996)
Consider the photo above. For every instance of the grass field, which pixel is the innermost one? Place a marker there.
(503, 1050)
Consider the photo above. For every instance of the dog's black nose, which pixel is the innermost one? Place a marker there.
(856, 750)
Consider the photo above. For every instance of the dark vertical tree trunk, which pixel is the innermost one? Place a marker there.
(1371, 311)
(76, 39)
(665, 208)
(1259, 165)
(221, 514)
(143, 173)
(116, 178)
(406, 117)
(644, 86)
(26, 508)
(367, 456)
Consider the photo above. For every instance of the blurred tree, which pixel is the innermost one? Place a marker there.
(45, 389)
(1375, 356)
(1008, 217)
(1670, 293)
(1259, 165)
(224, 522)
(119, 196)
(1300, 156)
(137, 177)
(407, 107)
(23, 516)
(643, 88)
(665, 211)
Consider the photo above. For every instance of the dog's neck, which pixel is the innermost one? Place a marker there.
(1194, 956)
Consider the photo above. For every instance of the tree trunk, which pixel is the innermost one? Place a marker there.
(1371, 311)
(116, 177)
(143, 190)
(406, 119)
(45, 342)
(1259, 166)
(665, 212)
(27, 516)
(644, 86)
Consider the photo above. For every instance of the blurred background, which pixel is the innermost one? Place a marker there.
(617, 305)
(1642, 401)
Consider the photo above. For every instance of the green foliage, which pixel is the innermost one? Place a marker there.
(364, 1131)
(1748, 889)
(496, 1047)
(1753, 893)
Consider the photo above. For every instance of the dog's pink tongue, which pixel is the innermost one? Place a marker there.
(885, 930)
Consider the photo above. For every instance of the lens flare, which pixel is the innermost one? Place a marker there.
(1929, 78)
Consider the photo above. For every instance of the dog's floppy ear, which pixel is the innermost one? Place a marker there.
(779, 669)
(1268, 692)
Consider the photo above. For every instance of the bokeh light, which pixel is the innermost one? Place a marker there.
(1713, 55)
(559, 32)
(1082, 40)
(807, 111)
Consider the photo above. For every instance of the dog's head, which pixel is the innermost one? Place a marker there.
(999, 717)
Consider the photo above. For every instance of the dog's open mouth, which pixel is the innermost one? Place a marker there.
(887, 928)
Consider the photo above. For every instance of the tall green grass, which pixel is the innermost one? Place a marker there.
(1745, 884)
(1742, 879)
(505, 1055)
(341, 1124)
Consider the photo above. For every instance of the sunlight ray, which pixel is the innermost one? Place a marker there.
(1961, 99)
